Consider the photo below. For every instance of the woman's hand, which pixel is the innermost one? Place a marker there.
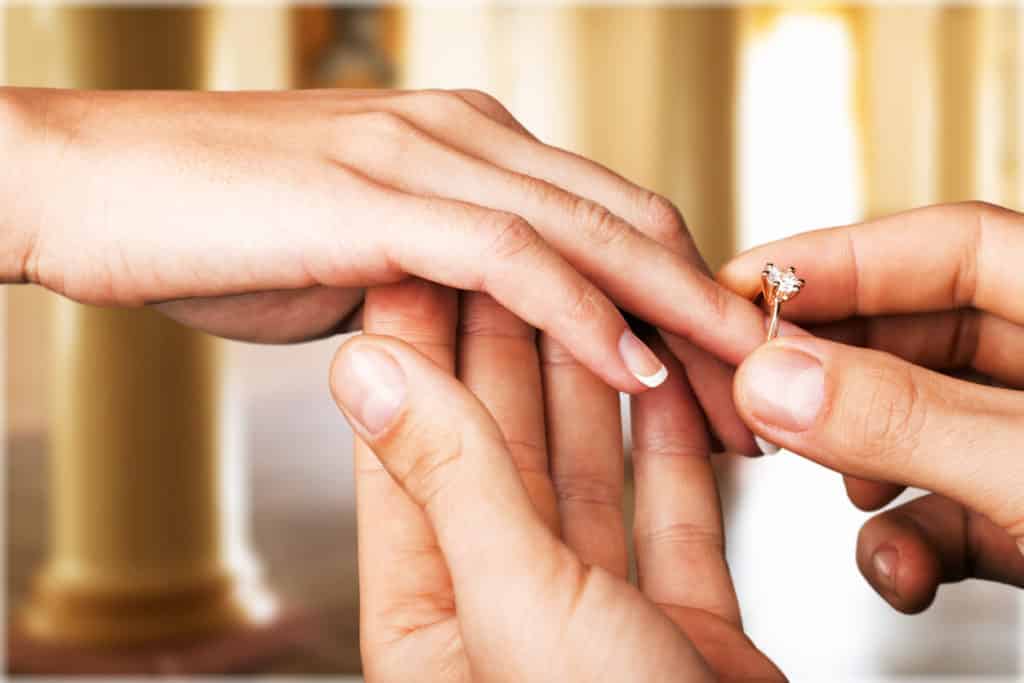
(263, 215)
(491, 539)
(939, 288)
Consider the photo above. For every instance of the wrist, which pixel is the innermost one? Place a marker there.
(18, 225)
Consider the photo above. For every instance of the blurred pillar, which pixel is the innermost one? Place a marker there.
(899, 86)
(148, 537)
(658, 92)
(941, 104)
(959, 59)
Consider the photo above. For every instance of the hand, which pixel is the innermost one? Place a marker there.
(938, 288)
(263, 215)
(493, 548)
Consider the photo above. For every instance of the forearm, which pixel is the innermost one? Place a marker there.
(18, 194)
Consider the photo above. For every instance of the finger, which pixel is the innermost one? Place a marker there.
(711, 380)
(594, 238)
(585, 442)
(652, 215)
(403, 580)
(906, 553)
(498, 362)
(471, 248)
(569, 213)
(494, 110)
(678, 533)
(936, 258)
(944, 340)
(871, 415)
(868, 494)
(440, 444)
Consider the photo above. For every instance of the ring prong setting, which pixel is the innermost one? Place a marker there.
(779, 285)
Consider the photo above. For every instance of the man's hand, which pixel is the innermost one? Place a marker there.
(939, 288)
(491, 539)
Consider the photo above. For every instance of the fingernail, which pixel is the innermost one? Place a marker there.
(641, 361)
(767, 447)
(885, 561)
(371, 387)
(784, 387)
(1020, 544)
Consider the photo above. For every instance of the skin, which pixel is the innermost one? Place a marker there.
(263, 216)
(917, 299)
(503, 553)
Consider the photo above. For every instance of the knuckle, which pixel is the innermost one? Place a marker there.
(665, 222)
(587, 586)
(587, 489)
(385, 124)
(585, 306)
(890, 424)
(683, 535)
(482, 316)
(600, 226)
(666, 444)
(712, 300)
(491, 108)
(445, 102)
(484, 101)
(512, 236)
(555, 354)
(978, 207)
(392, 135)
(541, 192)
(430, 469)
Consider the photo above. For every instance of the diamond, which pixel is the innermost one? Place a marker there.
(783, 284)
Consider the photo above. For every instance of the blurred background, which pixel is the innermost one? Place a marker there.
(222, 539)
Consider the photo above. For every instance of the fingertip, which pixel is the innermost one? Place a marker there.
(741, 274)
(766, 447)
(641, 362)
(781, 389)
(369, 385)
(739, 441)
(868, 495)
(727, 275)
(655, 380)
(334, 381)
(899, 564)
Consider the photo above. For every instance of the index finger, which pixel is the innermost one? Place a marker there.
(931, 259)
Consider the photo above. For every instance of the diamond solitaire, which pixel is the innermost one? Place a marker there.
(784, 284)
(777, 286)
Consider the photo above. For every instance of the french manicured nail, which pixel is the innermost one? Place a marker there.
(784, 387)
(371, 387)
(767, 447)
(885, 561)
(641, 361)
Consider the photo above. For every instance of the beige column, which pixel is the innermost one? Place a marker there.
(657, 88)
(959, 131)
(148, 536)
(900, 84)
(940, 87)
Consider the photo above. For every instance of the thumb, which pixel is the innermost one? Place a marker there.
(872, 415)
(442, 446)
